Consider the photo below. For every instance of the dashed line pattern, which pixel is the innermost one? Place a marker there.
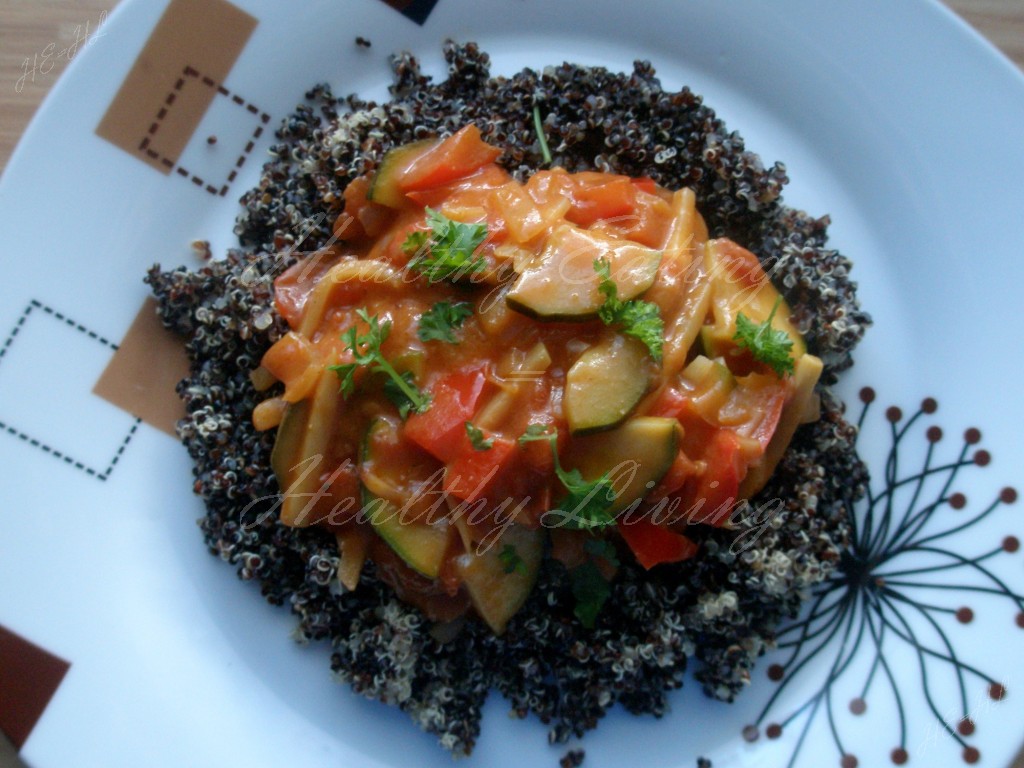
(71, 323)
(191, 73)
(52, 451)
(120, 450)
(28, 439)
(17, 329)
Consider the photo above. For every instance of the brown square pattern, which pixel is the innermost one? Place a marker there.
(29, 677)
(142, 375)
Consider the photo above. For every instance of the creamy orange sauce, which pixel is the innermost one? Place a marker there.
(508, 370)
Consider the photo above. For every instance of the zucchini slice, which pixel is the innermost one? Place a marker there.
(498, 586)
(708, 384)
(562, 284)
(288, 442)
(421, 545)
(384, 189)
(302, 442)
(605, 384)
(637, 454)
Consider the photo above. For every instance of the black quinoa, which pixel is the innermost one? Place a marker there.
(721, 608)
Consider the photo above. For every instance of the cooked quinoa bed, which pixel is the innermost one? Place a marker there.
(720, 608)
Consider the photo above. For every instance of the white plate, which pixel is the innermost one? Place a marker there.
(893, 117)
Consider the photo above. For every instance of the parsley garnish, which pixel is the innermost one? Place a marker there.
(365, 349)
(591, 591)
(640, 319)
(511, 561)
(602, 548)
(446, 252)
(768, 345)
(476, 437)
(538, 125)
(587, 501)
(440, 321)
(397, 395)
(535, 432)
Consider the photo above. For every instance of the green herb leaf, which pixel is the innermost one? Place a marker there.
(365, 349)
(346, 374)
(768, 345)
(416, 242)
(639, 319)
(397, 395)
(446, 252)
(602, 548)
(608, 287)
(587, 502)
(511, 561)
(591, 592)
(642, 320)
(440, 321)
(476, 437)
(535, 432)
(538, 126)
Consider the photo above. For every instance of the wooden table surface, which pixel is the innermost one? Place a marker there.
(28, 27)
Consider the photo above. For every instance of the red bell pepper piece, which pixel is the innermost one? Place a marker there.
(670, 403)
(771, 404)
(472, 189)
(742, 266)
(653, 544)
(645, 184)
(471, 474)
(606, 200)
(719, 485)
(441, 429)
(293, 287)
(679, 472)
(457, 156)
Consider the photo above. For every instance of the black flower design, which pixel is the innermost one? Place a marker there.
(904, 575)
